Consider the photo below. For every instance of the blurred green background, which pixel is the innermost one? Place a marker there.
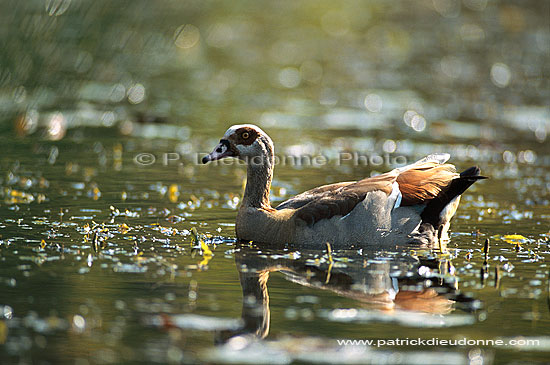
(354, 64)
(86, 86)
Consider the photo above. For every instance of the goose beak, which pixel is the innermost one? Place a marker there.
(222, 150)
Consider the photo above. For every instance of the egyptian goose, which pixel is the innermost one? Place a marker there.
(414, 201)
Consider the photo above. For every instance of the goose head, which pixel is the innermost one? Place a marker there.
(246, 142)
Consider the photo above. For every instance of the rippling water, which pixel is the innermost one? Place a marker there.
(117, 246)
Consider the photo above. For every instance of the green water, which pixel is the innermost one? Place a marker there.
(106, 107)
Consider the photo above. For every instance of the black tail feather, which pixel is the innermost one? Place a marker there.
(472, 173)
(431, 214)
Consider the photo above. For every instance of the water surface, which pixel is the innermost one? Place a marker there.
(105, 109)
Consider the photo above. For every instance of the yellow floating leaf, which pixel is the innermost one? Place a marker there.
(124, 228)
(96, 193)
(196, 238)
(17, 197)
(205, 249)
(40, 198)
(204, 262)
(173, 193)
(515, 239)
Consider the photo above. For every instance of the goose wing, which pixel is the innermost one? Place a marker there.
(417, 183)
(328, 201)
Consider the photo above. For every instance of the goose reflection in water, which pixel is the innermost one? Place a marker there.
(379, 280)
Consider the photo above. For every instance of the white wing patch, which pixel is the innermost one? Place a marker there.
(395, 195)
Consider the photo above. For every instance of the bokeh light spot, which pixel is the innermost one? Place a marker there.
(186, 36)
(373, 103)
(500, 74)
(79, 323)
(389, 146)
(408, 116)
(418, 123)
(118, 93)
(508, 157)
(136, 94)
(289, 77)
(57, 127)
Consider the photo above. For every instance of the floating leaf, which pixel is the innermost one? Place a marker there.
(124, 228)
(205, 249)
(87, 228)
(204, 263)
(17, 197)
(96, 193)
(173, 193)
(515, 239)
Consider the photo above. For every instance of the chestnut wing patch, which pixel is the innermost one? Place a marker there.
(425, 182)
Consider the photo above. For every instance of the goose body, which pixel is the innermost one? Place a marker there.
(411, 203)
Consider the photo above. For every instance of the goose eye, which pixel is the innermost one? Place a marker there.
(245, 135)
